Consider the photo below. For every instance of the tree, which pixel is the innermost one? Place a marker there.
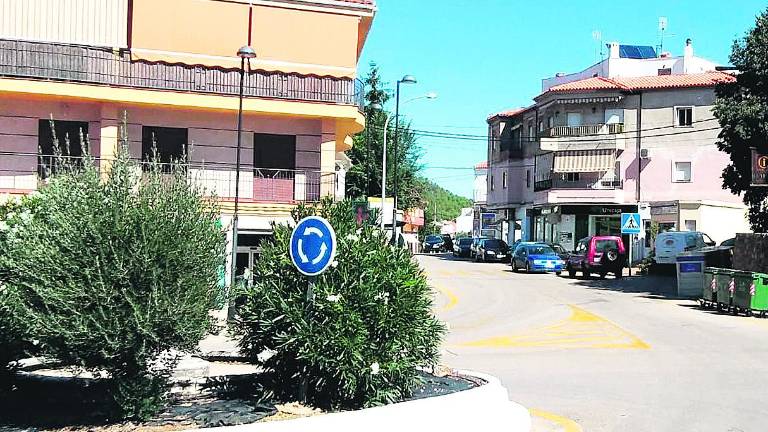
(364, 178)
(439, 204)
(742, 110)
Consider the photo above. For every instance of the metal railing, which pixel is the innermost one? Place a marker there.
(84, 64)
(31, 171)
(583, 130)
(559, 182)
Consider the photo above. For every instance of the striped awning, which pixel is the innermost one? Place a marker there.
(584, 161)
(586, 100)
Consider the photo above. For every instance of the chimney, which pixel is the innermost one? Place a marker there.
(613, 48)
(688, 50)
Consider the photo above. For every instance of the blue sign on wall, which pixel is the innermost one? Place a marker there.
(630, 223)
(313, 245)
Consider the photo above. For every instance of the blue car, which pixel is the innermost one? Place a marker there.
(536, 257)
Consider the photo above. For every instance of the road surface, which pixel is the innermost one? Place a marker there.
(603, 355)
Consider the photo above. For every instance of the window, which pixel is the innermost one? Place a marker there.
(169, 143)
(681, 172)
(528, 179)
(684, 116)
(541, 126)
(550, 122)
(571, 177)
(504, 180)
(69, 143)
(690, 225)
(274, 155)
(531, 131)
(665, 71)
(573, 118)
(492, 188)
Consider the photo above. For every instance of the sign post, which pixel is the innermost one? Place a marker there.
(630, 224)
(312, 249)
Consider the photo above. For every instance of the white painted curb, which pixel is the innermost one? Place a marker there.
(483, 408)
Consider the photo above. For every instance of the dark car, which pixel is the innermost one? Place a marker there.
(473, 247)
(536, 257)
(598, 254)
(433, 243)
(447, 243)
(731, 242)
(461, 247)
(560, 251)
(492, 250)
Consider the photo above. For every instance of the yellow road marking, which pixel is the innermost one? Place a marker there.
(452, 299)
(567, 424)
(581, 330)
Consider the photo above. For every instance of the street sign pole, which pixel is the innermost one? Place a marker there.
(630, 225)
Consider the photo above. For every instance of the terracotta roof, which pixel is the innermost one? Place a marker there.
(365, 2)
(482, 165)
(508, 113)
(708, 79)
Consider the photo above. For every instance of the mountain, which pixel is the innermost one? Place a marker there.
(448, 204)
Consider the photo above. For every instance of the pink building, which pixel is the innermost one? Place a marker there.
(592, 148)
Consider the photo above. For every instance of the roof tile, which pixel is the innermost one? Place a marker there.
(708, 79)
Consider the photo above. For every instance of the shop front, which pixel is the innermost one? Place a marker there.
(567, 224)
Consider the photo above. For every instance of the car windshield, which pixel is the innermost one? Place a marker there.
(465, 241)
(540, 250)
(495, 244)
(606, 245)
(434, 238)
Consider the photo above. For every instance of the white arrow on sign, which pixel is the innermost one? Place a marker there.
(300, 246)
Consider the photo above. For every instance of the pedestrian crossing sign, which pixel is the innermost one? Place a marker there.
(630, 223)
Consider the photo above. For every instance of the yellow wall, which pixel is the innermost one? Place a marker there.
(210, 32)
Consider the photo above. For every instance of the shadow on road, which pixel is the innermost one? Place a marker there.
(653, 286)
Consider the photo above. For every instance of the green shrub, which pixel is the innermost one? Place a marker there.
(369, 329)
(117, 272)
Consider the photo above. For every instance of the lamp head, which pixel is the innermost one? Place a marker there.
(246, 52)
(431, 95)
(408, 79)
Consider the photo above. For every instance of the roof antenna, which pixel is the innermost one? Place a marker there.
(597, 35)
(662, 29)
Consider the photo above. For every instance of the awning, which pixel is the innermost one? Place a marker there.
(585, 161)
(585, 100)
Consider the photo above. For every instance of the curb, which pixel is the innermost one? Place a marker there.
(483, 408)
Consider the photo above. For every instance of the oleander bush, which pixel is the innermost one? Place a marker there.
(115, 272)
(362, 339)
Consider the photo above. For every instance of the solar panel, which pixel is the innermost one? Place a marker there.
(636, 52)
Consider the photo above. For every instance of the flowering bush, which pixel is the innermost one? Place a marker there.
(361, 339)
(114, 273)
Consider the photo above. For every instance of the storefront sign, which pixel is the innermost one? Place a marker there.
(487, 220)
(598, 209)
(759, 168)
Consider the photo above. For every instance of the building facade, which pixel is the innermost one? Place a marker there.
(592, 148)
(123, 73)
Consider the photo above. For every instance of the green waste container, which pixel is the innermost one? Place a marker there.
(709, 288)
(760, 297)
(725, 288)
(743, 291)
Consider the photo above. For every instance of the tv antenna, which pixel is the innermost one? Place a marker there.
(662, 29)
(597, 35)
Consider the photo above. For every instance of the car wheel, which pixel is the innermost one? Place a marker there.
(558, 273)
(527, 267)
(619, 274)
(603, 275)
(584, 272)
(514, 266)
(571, 272)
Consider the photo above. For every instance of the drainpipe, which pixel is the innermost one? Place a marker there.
(639, 128)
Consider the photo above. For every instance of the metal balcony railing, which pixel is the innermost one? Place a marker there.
(584, 130)
(91, 65)
(30, 171)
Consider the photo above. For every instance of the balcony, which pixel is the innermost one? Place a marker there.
(90, 65)
(22, 172)
(559, 182)
(584, 137)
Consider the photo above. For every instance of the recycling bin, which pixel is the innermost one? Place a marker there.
(725, 288)
(709, 288)
(744, 288)
(760, 297)
(690, 274)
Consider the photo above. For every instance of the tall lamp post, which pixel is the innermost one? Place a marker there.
(430, 95)
(245, 52)
(408, 79)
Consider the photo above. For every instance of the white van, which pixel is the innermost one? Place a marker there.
(669, 244)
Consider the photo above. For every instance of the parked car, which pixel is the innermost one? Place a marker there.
(473, 248)
(492, 250)
(671, 243)
(536, 257)
(731, 242)
(598, 254)
(447, 243)
(461, 247)
(560, 251)
(433, 243)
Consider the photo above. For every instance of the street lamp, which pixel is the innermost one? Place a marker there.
(430, 95)
(245, 52)
(407, 79)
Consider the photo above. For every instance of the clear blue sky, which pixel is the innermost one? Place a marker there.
(484, 56)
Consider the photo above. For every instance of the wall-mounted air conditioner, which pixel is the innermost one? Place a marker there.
(645, 153)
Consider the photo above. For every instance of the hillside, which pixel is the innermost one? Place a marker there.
(448, 204)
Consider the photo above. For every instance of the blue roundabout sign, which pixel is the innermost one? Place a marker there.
(313, 245)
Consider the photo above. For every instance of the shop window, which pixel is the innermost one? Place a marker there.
(165, 145)
(571, 177)
(70, 145)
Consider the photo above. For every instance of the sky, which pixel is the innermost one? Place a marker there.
(486, 56)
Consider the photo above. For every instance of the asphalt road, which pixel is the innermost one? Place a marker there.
(603, 355)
